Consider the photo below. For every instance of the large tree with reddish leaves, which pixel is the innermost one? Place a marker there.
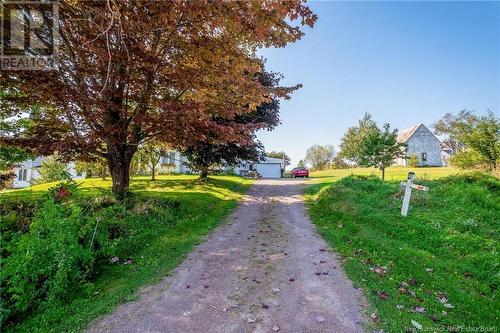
(133, 71)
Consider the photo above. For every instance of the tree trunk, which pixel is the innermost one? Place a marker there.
(119, 161)
(103, 171)
(153, 169)
(383, 172)
(203, 173)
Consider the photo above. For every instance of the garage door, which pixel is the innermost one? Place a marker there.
(269, 170)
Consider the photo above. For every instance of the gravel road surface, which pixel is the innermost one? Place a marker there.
(264, 270)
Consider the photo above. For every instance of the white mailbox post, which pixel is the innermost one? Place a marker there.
(408, 185)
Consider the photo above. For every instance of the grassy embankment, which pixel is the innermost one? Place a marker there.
(150, 234)
(438, 267)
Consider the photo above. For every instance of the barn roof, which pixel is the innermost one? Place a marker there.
(406, 134)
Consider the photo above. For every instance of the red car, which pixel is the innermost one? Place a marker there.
(299, 172)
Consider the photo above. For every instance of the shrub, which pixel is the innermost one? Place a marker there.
(468, 159)
(48, 261)
(413, 161)
(54, 246)
(63, 190)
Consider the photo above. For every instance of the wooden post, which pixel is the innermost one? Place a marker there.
(406, 199)
(408, 186)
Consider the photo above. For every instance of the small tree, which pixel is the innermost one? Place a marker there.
(150, 155)
(205, 155)
(301, 164)
(52, 170)
(319, 156)
(380, 148)
(352, 142)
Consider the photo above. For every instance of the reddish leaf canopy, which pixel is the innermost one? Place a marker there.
(130, 71)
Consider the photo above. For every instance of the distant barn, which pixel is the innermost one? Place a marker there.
(422, 143)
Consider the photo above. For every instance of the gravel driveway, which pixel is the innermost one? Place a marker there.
(264, 270)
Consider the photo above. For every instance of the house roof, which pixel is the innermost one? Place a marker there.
(269, 159)
(406, 134)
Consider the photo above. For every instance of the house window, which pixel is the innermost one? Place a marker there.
(424, 157)
(23, 174)
(169, 159)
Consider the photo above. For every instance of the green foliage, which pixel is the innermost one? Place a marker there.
(10, 156)
(149, 155)
(319, 157)
(380, 148)
(206, 156)
(450, 124)
(301, 164)
(149, 232)
(54, 260)
(481, 135)
(96, 168)
(338, 162)
(352, 142)
(279, 154)
(447, 247)
(482, 138)
(48, 262)
(466, 159)
(413, 160)
(52, 170)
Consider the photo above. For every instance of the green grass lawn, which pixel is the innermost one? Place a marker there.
(391, 173)
(155, 249)
(439, 267)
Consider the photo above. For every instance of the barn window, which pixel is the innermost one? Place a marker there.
(25, 174)
(424, 157)
(20, 176)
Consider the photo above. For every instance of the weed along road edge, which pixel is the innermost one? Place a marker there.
(266, 269)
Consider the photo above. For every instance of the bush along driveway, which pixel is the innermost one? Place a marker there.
(67, 259)
(435, 270)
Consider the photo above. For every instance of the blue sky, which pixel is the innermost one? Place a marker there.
(403, 62)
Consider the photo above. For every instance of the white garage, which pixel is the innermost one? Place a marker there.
(269, 168)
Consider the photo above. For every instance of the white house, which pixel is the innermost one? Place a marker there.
(174, 161)
(270, 167)
(27, 172)
(422, 143)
